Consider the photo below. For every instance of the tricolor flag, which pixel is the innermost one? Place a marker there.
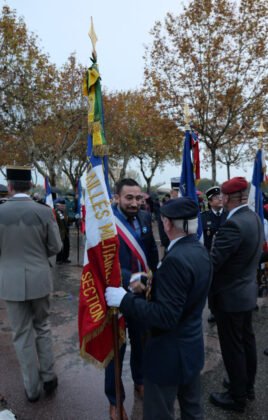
(48, 196)
(189, 169)
(101, 261)
(255, 201)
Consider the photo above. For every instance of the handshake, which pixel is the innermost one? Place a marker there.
(137, 284)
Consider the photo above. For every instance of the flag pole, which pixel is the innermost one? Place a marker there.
(261, 130)
(117, 367)
(78, 240)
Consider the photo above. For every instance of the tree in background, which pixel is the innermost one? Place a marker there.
(215, 55)
(27, 79)
(136, 129)
(59, 143)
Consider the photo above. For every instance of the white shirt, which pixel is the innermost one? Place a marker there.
(235, 209)
(219, 211)
(174, 241)
(21, 195)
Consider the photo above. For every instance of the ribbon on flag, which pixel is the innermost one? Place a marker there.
(101, 262)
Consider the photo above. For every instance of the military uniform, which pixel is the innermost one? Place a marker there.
(29, 235)
(211, 223)
(212, 219)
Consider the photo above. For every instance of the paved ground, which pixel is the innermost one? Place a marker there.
(80, 395)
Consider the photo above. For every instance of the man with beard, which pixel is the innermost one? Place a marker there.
(235, 256)
(138, 222)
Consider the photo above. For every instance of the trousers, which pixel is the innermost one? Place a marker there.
(159, 400)
(32, 341)
(136, 361)
(238, 347)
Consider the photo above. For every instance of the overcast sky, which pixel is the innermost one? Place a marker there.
(122, 28)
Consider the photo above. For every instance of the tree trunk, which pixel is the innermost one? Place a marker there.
(213, 165)
(228, 171)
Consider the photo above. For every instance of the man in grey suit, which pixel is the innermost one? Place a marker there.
(235, 256)
(29, 235)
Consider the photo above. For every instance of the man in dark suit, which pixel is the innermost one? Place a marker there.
(235, 256)
(174, 353)
(128, 200)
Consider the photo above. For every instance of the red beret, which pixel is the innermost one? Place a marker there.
(235, 184)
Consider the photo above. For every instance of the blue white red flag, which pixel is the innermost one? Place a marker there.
(48, 196)
(255, 201)
(187, 180)
(132, 240)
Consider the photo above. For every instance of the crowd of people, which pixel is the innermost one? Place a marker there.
(162, 312)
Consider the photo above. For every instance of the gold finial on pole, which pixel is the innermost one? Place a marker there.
(187, 118)
(94, 39)
(261, 130)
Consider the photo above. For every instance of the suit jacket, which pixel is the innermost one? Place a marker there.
(175, 354)
(147, 238)
(29, 235)
(235, 256)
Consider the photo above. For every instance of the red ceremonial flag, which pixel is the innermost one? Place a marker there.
(101, 261)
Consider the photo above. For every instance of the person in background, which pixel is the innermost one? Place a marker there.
(212, 219)
(175, 187)
(3, 194)
(29, 235)
(63, 223)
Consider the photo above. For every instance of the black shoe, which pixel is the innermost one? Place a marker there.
(266, 352)
(250, 390)
(67, 261)
(59, 262)
(225, 400)
(211, 318)
(50, 386)
(32, 399)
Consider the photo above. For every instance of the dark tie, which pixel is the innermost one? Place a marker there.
(134, 260)
(218, 213)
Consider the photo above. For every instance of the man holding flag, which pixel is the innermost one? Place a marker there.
(174, 352)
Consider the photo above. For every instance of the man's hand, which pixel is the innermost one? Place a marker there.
(114, 296)
(135, 284)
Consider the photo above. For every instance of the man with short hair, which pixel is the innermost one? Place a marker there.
(137, 224)
(212, 219)
(235, 256)
(29, 235)
(174, 353)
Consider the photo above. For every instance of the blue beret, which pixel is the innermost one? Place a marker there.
(184, 208)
